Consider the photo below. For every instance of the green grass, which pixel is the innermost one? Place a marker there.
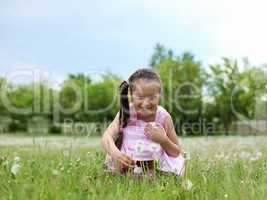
(219, 168)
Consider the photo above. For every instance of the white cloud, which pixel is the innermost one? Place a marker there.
(243, 32)
(212, 28)
(237, 28)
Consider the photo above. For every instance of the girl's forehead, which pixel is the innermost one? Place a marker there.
(146, 86)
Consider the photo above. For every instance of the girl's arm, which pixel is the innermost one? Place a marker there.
(171, 144)
(169, 141)
(107, 142)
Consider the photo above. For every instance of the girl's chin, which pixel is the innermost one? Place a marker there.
(146, 113)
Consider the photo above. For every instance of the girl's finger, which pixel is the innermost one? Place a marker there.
(128, 160)
(125, 163)
(149, 125)
(146, 130)
(149, 128)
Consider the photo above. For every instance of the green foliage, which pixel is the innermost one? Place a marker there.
(74, 170)
(235, 92)
(183, 79)
(220, 94)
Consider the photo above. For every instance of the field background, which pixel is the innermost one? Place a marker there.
(58, 167)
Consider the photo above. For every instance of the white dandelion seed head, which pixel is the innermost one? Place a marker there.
(15, 169)
(154, 147)
(17, 159)
(187, 184)
(55, 172)
(258, 154)
(244, 154)
(137, 170)
(186, 155)
(66, 153)
(139, 146)
(252, 159)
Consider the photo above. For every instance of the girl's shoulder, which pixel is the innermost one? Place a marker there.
(162, 114)
(163, 111)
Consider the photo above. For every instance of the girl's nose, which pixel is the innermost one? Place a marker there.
(146, 101)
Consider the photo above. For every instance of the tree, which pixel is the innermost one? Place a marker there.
(235, 92)
(72, 96)
(103, 98)
(183, 79)
(160, 54)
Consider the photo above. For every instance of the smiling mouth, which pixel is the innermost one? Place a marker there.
(146, 110)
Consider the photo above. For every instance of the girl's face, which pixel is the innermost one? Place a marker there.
(145, 97)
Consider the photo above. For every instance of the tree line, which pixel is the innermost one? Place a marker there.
(209, 97)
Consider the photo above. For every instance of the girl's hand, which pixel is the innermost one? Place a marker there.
(124, 159)
(156, 133)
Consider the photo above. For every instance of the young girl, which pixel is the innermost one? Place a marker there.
(142, 130)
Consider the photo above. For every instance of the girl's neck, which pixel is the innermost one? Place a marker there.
(150, 118)
(147, 119)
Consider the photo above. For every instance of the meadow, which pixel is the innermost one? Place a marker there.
(61, 167)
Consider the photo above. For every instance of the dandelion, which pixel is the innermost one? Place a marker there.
(245, 154)
(66, 153)
(15, 169)
(226, 157)
(17, 159)
(62, 169)
(252, 159)
(187, 184)
(55, 172)
(258, 154)
(60, 165)
(139, 146)
(137, 170)
(256, 157)
(186, 155)
(225, 195)
(154, 147)
(219, 156)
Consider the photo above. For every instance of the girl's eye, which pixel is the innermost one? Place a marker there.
(149, 97)
(153, 97)
(141, 97)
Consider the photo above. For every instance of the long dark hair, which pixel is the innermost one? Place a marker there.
(124, 113)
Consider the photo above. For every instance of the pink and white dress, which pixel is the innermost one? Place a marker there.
(138, 146)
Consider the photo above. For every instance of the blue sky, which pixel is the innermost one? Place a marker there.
(62, 37)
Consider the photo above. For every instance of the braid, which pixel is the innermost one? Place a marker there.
(124, 111)
(124, 104)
